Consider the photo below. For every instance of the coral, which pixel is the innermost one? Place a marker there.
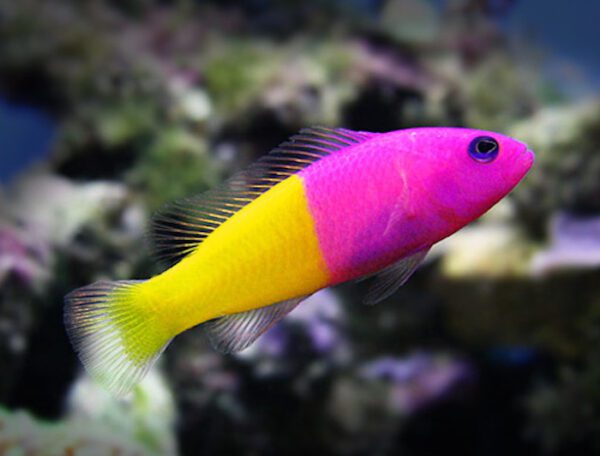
(23, 258)
(417, 380)
(371, 406)
(56, 209)
(146, 418)
(97, 423)
(575, 243)
(174, 166)
(497, 94)
(20, 433)
(55, 232)
(239, 72)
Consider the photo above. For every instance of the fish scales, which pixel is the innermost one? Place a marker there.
(265, 253)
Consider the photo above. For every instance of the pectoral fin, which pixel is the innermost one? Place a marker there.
(394, 276)
(236, 332)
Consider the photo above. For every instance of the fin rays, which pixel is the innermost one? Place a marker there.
(116, 342)
(236, 332)
(394, 276)
(181, 226)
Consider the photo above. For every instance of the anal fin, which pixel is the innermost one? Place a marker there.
(236, 332)
(394, 276)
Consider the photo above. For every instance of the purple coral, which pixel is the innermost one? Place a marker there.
(22, 257)
(321, 316)
(575, 243)
(417, 380)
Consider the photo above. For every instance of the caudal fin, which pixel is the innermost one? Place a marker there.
(115, 333)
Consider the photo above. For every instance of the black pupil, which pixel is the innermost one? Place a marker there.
(485, 146)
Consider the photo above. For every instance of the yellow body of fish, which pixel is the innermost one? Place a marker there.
(251, 260)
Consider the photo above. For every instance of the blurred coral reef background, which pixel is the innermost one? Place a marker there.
(109, 109)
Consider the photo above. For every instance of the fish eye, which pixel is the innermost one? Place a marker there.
(484, 149)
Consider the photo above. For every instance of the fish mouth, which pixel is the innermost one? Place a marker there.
(528, 157)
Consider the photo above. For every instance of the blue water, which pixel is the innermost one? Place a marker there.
(513, 355)
(26, 135)
(569, 30)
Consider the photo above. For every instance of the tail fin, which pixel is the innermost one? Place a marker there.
(116, 333)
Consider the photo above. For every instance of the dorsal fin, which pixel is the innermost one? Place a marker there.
(178, 228)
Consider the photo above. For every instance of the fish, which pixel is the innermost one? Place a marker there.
(327, 206)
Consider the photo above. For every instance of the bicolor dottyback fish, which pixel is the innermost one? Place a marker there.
(325, 207)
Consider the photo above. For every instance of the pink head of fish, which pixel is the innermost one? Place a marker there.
(378, 201)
